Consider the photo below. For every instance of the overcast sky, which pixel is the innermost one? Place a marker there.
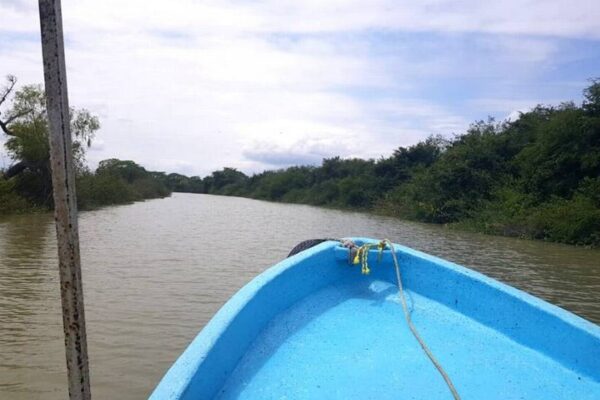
(193, 86)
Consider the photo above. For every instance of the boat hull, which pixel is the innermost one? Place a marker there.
(314, 327)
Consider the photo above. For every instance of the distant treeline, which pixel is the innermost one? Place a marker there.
(535, 177)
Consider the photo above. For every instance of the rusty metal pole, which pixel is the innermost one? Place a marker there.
(65, 203)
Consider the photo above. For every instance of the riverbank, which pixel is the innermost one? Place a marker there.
(114, 182)
(570, 221)
(557, 223)
(573, 221)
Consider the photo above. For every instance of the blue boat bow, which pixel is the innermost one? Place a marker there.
(314, 327)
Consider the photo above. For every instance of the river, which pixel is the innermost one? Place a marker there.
(154, 273)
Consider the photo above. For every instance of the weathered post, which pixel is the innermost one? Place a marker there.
(65, 204)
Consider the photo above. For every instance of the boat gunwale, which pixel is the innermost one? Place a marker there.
(175, 382)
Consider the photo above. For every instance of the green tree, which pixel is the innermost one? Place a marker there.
(566, 150)
(117, 182)
(127, 170)
(591, 94)
(226, 179)
(25, 124)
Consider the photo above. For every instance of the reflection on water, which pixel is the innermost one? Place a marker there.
(155, 272)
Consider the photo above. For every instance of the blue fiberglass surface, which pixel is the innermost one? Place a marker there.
(313, 327)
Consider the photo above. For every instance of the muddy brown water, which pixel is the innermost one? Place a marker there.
(155, 272)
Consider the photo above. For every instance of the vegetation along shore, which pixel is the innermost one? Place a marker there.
(534, 177)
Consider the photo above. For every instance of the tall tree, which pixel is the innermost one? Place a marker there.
(25, 123)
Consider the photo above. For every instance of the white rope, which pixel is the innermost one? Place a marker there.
(412, 327)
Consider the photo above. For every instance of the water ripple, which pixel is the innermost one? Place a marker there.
(155, 272)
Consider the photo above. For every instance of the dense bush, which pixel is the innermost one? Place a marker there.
(118, 182)
(102, 188)
(10, 201)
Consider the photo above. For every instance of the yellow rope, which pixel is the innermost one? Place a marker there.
(361, 256)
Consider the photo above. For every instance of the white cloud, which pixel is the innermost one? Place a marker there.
(195, 86)
(506, 105)
(513, 115)
(532, 17)
(303, 152)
